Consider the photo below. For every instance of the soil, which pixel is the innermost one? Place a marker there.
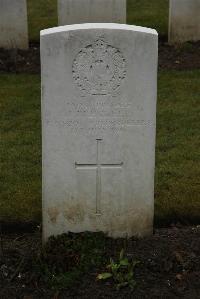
(20, 61)
(184, 57)
(169, 267)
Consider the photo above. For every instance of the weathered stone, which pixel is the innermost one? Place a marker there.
(13, 24)
(91, 11)
(184, 21)
(99, 85)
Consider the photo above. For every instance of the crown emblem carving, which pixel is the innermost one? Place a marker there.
(99, 68)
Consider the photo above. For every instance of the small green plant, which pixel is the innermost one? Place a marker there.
(122, 272)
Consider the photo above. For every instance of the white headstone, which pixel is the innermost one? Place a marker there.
(99, 85)
(184, 21)
(91, 11)
(13, 24)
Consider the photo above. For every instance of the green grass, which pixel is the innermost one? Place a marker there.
(42, 14)
(178, 143)
(177, 187)
(20, 174)
(149, 13)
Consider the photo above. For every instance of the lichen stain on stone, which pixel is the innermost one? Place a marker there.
(74, 213)
(53, 214)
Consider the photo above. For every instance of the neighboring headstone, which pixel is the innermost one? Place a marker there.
(13, 24)
(99, 85)
(91, 11)
(184, 21)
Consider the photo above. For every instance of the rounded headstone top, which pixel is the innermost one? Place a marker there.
(112, 26)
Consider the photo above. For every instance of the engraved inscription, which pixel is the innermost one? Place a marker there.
(98, 166)
(99, 69)
(100, 106)
(95, 127)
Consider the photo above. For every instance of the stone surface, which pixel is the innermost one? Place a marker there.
(184, 21)
(99, 85)
(13, 24)
(91, 11)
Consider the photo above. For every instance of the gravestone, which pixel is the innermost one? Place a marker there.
(184, 21)
(99, 85)
(13, 24)
(91, 11)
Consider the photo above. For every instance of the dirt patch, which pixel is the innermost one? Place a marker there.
(20, 61)
(182, 57)
(169, 266)
(15, 227)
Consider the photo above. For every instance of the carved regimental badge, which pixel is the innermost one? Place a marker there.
(99, 68)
